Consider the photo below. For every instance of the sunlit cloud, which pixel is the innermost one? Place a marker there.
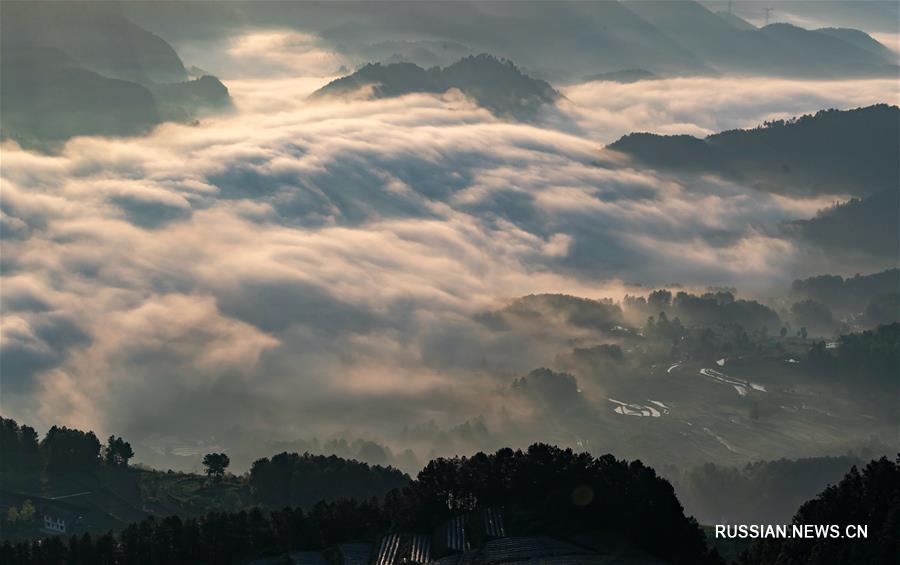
(288, 51)
(701, 106)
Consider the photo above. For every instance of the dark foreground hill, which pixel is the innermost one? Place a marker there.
(495, 84)
(535, 499)
(832, 152)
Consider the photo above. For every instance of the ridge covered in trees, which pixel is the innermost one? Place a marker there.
(831, 152)
(544, 490)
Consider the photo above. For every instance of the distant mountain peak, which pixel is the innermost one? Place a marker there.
(494, 83)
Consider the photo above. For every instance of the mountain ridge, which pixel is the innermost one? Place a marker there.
(88, 72)
(581, 37)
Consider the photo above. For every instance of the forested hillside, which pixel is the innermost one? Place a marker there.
(543, 491)
(830, 152)
(71, 471)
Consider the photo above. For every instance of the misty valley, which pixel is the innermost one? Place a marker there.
(452, 282)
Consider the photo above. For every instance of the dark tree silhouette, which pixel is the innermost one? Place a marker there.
(118, 452)
(303, 480)
(69, 450)
(19, 449)
(215, 464)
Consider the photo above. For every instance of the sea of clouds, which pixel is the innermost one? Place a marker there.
(306, 269)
